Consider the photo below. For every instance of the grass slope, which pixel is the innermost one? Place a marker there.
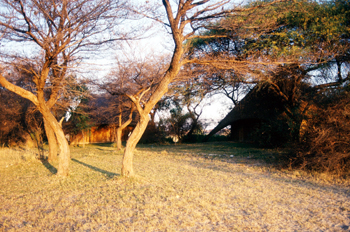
(177, 188)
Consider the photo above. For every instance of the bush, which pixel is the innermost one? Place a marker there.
(194, 138)
(325, 145)
(272, 134)
(153, 134)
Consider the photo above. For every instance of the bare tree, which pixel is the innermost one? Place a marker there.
(184, 19)
(57, 32)
(132, 79)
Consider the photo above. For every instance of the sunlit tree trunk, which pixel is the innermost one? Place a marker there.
(122, 126)
(173, 70)
(127, 166)
(177, 23)
(52, 141)
(64, 157)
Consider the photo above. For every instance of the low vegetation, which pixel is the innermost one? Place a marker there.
(197, 187)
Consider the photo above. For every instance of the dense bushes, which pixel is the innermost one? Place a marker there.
(13, 123)
(325, 145)
(272, 134)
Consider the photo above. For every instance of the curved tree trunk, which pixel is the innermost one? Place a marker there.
(193, 127)
(52, 141)
(39, 101)
(145, 108)
(122, 126)
(127, 166)
(64, 157)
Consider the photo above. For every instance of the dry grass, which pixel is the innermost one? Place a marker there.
(177, 188)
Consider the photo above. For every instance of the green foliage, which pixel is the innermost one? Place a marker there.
(79, 117)
(307, 28)
(80, 120)
(293, 30)
(178, 122)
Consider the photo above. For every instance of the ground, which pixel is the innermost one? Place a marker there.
(202, 187)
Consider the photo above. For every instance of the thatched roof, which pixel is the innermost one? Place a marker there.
(260, 103)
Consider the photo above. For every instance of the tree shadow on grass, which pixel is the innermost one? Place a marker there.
(288, 180)
(107, 173)
(49, 167)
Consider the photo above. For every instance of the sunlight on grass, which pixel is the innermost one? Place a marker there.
(202, 187)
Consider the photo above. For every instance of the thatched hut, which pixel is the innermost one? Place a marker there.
(261, 104)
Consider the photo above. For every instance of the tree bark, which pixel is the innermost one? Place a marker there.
(52, 141)
(64, 157)
(173, 70)
(127, 166)
(122, 126)
(39, 101)
(193, 127)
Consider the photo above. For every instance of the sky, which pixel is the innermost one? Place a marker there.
(215, 108)
(157, 41)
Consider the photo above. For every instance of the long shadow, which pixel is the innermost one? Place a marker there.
(109, 174)
(288, 180)
(49, 167)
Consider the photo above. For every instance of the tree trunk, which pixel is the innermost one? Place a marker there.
(193, 127)
(64, 157)
(39, 101)
(83, 133)
(51, 138)
(119, 138)
(127, 166)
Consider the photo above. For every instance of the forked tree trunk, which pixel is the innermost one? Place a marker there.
(51, 138)
(122, 126)
(162, 88)
(64, 157)
(127, 166)
(39, 101)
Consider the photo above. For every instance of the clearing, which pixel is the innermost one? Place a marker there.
(200, 187)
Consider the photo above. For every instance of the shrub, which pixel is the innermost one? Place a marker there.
(325, 145)
(272, 133)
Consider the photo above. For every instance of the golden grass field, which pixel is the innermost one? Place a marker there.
(177, 188)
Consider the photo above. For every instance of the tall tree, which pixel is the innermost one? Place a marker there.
(56, 31)
(184, 19)
(304, 41)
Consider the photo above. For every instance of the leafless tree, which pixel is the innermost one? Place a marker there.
(185, 18)
(132, 79)
(55, 31)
